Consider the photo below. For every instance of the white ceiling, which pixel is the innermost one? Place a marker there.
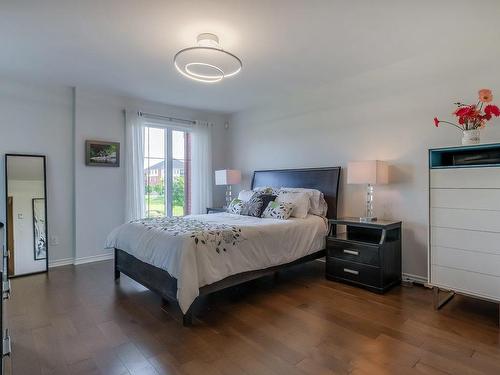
(286, 45)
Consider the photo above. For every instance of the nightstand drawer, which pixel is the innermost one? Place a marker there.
(355, 272)
(354, 252)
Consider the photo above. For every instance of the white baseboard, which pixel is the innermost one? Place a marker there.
(82, 260)
(61, 262)
(414, 278)
(93, 258)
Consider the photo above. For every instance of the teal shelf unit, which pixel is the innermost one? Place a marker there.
(483, 155)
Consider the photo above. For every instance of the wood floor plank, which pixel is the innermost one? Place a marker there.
(108, 363)
(80, 321)
(133, 360)
(165, 364)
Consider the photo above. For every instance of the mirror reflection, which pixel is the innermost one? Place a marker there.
(26, 214)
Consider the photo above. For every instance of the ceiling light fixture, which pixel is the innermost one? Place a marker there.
(207, 62)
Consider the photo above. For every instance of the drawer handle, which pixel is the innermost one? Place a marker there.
(6, 344)
(351, 252)
(6, 289)
(347, 270)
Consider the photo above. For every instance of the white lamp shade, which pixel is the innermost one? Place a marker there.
(227, 177)
(373, 172)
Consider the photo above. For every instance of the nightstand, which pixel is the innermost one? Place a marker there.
(214, 210)
(367, 255)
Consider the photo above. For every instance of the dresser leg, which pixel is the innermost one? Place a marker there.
(440, 303)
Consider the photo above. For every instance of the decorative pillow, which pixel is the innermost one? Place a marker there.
(276, 210)
(267, 198)
(267, 190)
(246, 195)
(235, 206)
(300, 201)
(318, 205)
(256, 204)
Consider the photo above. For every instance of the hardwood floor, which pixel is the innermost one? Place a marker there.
(77, 320)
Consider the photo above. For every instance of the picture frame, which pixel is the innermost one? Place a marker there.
(102, 154)
(39, 229)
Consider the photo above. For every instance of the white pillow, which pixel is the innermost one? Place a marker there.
(299, 200)
(245, 195)
(318, 205)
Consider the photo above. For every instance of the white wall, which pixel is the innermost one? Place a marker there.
(38, 120)
(386, 114)
(22, 193)
(84, 203)
(99, 191)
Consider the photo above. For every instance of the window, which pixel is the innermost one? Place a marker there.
(167, 165)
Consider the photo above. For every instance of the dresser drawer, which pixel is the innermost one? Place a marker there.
(468, 199)
(484, 263)
(475, 241)
(354, 252)
(473, 220)
(472, 283)
(355, 272)
(465, 178)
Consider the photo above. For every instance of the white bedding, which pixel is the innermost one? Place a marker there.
(189, 250)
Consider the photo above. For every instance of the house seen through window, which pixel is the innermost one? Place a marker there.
(167, 166)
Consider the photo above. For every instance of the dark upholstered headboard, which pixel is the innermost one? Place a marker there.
(325, 180)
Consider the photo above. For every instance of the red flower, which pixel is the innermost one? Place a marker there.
(492, 110)
(436, 122)
(463, 111)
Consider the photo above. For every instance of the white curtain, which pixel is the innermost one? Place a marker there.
(134, 164)
(201, 167)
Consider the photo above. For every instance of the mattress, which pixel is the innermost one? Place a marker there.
(199, 250)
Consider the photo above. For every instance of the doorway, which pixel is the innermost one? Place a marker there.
(10, 234)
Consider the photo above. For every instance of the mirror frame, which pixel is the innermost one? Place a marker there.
(44, 160)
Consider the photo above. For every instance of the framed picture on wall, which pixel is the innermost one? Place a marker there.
(102, 154)
(39, 234)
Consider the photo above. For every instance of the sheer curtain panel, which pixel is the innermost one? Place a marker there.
(202, 173)
(134, 164)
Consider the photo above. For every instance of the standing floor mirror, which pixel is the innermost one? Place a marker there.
(26, 203)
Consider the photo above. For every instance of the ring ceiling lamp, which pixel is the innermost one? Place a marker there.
(207, 62)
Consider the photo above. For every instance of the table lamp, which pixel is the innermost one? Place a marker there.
(228, 177)
(370, 172)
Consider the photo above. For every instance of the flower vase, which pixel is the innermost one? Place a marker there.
(471, 137)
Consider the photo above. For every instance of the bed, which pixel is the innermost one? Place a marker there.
(184, 258)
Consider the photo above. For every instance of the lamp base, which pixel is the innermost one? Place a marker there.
(367, 219)
(229, 195)
(369, 206)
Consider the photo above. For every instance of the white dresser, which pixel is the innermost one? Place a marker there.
(464, 221)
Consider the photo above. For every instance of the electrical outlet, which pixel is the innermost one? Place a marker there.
(20, 216)
(54, 240)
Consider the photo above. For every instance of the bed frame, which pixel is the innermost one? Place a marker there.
(159, 281)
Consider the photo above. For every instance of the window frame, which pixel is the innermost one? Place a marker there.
(168, 180)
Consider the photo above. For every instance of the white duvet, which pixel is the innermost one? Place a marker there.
(201, 249)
